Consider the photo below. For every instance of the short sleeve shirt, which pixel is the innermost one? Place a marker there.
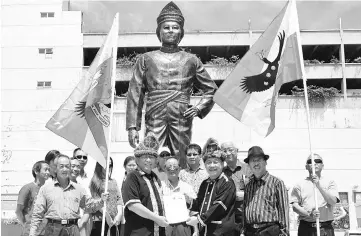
(237, 175)
(145, 189)
(27, 197)
(302, 193)
(193, 178)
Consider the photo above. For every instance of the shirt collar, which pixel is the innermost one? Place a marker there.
(200, 167)
(222, 175)
(71, 183)
(263, 178)
(238, 164)
(170, 186)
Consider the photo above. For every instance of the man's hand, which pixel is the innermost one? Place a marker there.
(117, 219)
(105, 196)
(315, 213)
(133, 137)
(81, 223)
(161, 221)
(193, 221)
(191, 112)
(316, 180)
(109, 220)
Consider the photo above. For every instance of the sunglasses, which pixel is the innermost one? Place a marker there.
(192, 154)
(79, 157)
(317, 161)
(164, 155)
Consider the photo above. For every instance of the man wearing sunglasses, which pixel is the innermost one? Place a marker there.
(83, 160)
(303, 201)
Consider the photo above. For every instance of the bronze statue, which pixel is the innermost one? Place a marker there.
(168, 76)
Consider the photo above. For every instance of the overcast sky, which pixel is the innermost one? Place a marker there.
(140, 16)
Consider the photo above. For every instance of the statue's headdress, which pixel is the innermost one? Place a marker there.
(170, 12)
(149, 146)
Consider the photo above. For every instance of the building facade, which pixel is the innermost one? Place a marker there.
(44, 54)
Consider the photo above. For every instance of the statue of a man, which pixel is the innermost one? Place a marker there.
(168, 76)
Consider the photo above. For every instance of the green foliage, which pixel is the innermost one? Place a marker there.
(11, 221)
(221, 61)
(129, 60)
(334, 60)
(316, 94)
(357, 60)
(313, 62)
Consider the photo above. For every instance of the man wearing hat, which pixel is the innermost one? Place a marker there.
(141, 191)
(168, 76)
(303, 200)
(265, 199)
(215, 201)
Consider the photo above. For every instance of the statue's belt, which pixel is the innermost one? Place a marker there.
(159, 98)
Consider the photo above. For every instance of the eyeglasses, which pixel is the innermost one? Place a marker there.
(192, 154)
(229, 150)
(79, 157)
(172, 168)
(317, 161)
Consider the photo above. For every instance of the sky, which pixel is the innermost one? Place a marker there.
(140, 16)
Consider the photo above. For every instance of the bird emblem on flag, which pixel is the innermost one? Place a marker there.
(265, 80)
(99, 96)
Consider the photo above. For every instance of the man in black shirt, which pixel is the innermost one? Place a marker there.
(215, 200)
(144, 212)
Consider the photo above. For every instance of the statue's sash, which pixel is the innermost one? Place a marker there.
(159, 98)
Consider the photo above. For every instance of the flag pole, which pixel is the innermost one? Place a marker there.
(304, 80)
(114, 70)
(342, 57)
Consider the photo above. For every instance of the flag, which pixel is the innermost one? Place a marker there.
(250, 92)
(84, 119)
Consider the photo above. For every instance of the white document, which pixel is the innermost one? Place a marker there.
(175, 208)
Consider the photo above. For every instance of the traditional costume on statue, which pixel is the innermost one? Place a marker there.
(167, 77)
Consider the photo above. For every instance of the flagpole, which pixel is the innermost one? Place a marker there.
(304, 79)
(114, 70)
(342, 57)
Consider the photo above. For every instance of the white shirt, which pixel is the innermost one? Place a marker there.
(182, 188)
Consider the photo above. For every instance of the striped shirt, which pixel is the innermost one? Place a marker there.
(266, 201)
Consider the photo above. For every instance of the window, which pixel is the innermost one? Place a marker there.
(47, 14)
(44, 84)
(48, 52)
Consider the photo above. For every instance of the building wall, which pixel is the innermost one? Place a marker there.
(336, 128)
(26, 108)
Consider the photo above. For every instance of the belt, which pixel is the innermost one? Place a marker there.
(261, 225)
(64, 222)
(314, 225)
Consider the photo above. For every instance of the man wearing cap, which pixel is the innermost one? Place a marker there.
(303, 200)
(240, 174)
(168, 76)
(215, 200)
(266, 210)
(142, 194)
(164, 154)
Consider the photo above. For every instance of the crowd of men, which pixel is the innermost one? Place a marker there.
(224, 195)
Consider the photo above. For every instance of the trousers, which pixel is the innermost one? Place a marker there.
(54, 229)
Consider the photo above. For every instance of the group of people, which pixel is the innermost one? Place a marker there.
(223, 195)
